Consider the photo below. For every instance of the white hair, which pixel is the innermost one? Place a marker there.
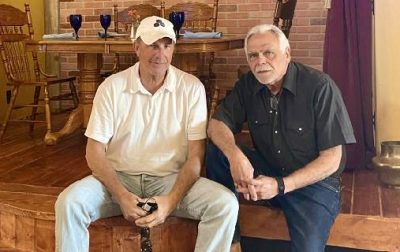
(264, 28)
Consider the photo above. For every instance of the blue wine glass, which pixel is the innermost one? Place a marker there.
(177, 18)
(105, 21)
(76, 21)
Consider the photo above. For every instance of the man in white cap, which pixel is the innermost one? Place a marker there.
(146, 142)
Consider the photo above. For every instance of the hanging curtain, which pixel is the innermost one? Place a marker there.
(348, 60)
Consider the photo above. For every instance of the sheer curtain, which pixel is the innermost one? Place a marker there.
(348, 60)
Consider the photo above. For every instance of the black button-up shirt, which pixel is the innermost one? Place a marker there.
(311, 117)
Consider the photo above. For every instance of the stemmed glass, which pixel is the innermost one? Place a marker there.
(105, 21)
(177, 18)
(76, 21)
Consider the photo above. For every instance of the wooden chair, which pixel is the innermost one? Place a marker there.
(123, 24)
(199, 17)
(283, 16)
(22, 68)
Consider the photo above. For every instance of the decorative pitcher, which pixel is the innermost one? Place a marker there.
(388, 163)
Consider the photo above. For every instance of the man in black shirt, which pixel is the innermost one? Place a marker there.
(299, 125)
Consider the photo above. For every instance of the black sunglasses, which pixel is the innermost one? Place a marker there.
(145, 242)
(149, 206)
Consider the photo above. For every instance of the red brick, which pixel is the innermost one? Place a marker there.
(317, 37)
(227, 8)
(74, 5)
(317, 21)
(231, 2)
(237, 30)
(250, 23)
(298, 37)
(103, 11)
(301, 21)
(237, 15)
(263, 16)
(317, 53)
(310, 61)
(308, 13)
(228, 23)
(93, 5)
(307, 29)
(299, 53)
(91, 18)
(317, 6)
(309, 45)
(302, 6)
(257, 1)
(249, 7)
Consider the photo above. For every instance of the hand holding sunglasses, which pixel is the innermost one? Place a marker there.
(149, 205)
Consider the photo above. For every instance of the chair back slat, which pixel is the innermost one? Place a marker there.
(11, 16)
(15, 29)
(283, 15)
(16, 61)
(199, 17)
(123, 21)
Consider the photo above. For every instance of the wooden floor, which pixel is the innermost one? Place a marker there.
(24, 159)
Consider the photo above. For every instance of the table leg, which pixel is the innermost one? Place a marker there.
(89, 65)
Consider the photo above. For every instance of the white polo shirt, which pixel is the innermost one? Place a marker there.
(145, 133)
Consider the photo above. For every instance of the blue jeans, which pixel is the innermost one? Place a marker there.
(310, 211)
(88, 200)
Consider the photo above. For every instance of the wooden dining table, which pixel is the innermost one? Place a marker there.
(90, 52)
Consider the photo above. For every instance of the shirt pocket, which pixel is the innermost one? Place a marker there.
(259, 125)
(300, 137)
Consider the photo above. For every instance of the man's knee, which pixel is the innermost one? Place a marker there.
(225, 202)
(67, 203)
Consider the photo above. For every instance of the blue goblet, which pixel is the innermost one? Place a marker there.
(177, 18)
(105, 21)
(76, 21)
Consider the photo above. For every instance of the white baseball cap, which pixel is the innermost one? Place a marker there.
(154, 28)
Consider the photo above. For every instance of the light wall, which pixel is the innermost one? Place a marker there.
(387, 67)
(38, 26)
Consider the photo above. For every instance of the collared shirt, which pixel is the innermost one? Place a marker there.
(311, 117)
(145, 133)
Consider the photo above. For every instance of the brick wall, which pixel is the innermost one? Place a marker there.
(234, 17)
